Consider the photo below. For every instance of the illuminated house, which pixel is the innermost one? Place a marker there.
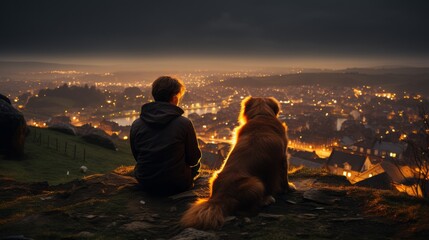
(404, 179)
(380, 148)
(385, 175)
(389, 149)
(348, 164)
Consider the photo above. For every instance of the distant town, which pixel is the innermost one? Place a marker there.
(358, 129)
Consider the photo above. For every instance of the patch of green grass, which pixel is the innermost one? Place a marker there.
(50, 160)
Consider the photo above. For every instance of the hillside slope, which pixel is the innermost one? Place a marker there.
(53, 158)
(110, 207)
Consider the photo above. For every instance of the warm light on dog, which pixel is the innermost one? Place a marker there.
(254, 171)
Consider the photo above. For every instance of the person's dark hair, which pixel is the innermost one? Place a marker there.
(165, 87)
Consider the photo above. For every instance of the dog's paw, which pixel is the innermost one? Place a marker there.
(269, 200)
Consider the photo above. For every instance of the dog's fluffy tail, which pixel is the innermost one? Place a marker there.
(204, 214)
(210, 213)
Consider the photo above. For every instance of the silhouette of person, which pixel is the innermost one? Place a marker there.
(164, 143)
(13, 129)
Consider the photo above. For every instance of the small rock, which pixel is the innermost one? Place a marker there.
(244, 234)
(271, 216)
(308, 216)
(113, 224)
(194, 234)
(291, 202)
(83, 169)
(142, 202)
(230, 218)
(85, 234)
(247, 220)
(90, 216)
(319, 197)
(263, 224)
(137, 225)
(155, 215)
(46, 198)
(173, 209)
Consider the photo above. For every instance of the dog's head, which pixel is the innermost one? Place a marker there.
(254, 106)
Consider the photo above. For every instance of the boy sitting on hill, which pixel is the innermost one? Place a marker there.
(164, 143)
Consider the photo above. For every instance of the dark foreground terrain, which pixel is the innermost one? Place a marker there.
(110, 207)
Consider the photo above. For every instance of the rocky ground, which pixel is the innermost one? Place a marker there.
(111, 207)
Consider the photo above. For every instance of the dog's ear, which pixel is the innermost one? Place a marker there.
(274, 105)
(246, 104)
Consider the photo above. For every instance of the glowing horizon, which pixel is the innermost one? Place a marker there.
(222, 63)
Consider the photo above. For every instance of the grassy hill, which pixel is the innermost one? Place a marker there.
(43, 162)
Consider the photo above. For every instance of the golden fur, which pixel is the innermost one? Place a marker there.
(255, 169)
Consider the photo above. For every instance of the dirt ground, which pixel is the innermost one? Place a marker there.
(111, 207)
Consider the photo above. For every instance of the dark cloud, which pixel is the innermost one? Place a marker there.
(329, 27)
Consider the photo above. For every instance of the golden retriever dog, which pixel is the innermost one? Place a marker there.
(256, 168)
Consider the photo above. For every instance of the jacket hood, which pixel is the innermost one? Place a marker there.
(159, 113)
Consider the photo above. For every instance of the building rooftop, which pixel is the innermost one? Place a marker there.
(339, 159)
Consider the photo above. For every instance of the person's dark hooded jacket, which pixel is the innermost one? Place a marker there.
(165, 148)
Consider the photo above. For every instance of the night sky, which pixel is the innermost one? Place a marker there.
(224, 28)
